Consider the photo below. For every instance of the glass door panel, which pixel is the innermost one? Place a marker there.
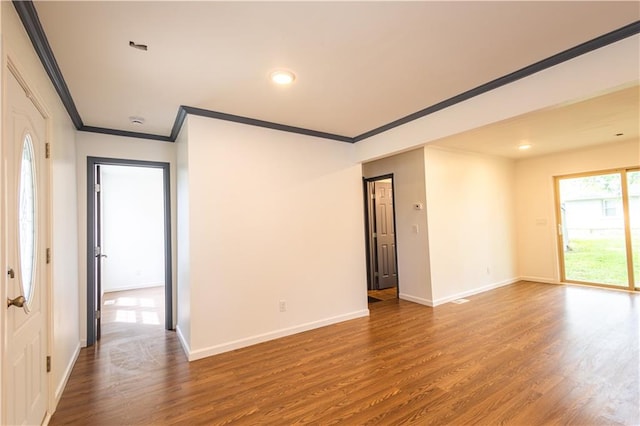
(593, 229)
(633, 189)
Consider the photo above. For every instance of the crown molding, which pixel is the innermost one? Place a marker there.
(29, 17)
(581, 49)
(126, 133)
(260, 123)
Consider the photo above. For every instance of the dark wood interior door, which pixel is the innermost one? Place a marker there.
(385, 236)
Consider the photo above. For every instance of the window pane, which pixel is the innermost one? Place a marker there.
(633, 185)
(593, 229)
(26, 219)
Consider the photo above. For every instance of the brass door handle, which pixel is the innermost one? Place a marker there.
(18, 302)
(11, 273)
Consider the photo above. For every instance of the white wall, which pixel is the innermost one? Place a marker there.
(99, 145)
(182, 249)
(3, 286)
(64, 325)
(414, 273)
(132, 227)
(599, 71)
(273, 216)
(536, 222)
(472, 234)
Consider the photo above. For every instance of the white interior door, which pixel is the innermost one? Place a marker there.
(25, 236)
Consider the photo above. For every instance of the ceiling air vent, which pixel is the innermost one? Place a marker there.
(136, 120)
(138, 46)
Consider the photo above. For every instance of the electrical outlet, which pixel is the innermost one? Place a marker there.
(283, 306)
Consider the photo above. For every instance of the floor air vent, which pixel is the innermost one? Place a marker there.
(459, 301)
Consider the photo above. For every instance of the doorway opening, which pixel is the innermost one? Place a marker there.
(129, 274)
(380, 223)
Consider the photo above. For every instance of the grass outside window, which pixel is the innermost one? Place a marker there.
(600, 260)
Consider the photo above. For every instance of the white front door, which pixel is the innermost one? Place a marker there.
(24, 237)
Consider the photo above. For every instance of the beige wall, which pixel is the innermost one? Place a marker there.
(183, 246)
(471, 214)
(272, 216)
(536, 222)
(491, 221)
(466, 242)
(414, 275)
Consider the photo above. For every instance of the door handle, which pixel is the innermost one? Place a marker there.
(11, 273)
(18, 302)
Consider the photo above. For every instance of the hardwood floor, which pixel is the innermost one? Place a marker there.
(525, 354)
(386, 294)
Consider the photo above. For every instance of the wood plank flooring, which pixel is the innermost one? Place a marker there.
(386, 294)
(525, 354)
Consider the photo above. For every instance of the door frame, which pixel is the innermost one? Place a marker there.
(370, 255)
(560, 226)
(92, 162)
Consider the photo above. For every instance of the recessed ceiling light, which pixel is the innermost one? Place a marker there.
(524, 146)
(136, 120)
(282, 77)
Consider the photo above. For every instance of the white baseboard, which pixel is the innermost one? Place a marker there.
(63, 383)
(133, 287)
(442, 300)
(67, 374)
(478, 290)
(540, 280)
(248, 341)
(414, 299)
(183, 342)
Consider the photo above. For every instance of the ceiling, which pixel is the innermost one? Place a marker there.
(613, 117)
(358, 65)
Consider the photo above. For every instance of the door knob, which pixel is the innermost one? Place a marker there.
(18, 302)
(11, 273)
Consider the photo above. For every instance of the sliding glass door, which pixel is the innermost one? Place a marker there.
(599, 227)
(633, 188)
